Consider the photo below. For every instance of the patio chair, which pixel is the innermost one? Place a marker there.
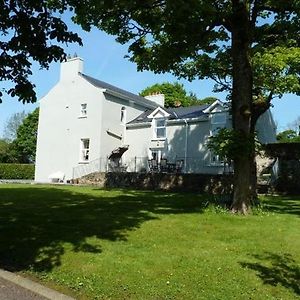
(163, 165)
(179, 165)
(153, 165)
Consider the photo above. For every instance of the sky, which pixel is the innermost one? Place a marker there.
(104, 59)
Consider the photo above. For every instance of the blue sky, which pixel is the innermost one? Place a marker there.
(104, 60)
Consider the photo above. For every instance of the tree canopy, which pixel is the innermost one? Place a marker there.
(12, 124)
(176, 95)
(23, 147)
(31, 31)
(25, 143)
(288, 136)
(250, 48)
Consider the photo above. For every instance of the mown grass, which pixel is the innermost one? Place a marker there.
(125, 244)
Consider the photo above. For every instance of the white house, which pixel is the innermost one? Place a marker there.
(87, 125)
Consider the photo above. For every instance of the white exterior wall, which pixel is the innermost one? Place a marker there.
(136, 157)
(111, 120)
(61, 129)
(194, 136)
(266, 128)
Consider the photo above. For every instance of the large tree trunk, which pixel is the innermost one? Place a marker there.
(242, 106)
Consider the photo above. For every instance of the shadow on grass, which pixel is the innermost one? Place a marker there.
(274, 269)
(36, 223)
(283, 204)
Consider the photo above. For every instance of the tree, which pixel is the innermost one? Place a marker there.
(237, 43)
(288, 136)
(25, 143)
(12, 125)
(31, 30)
(176, 95)
(295, 125)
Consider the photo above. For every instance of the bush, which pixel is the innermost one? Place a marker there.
(16, 171)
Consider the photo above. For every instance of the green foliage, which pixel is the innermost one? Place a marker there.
(288, 136)
(31, 30)
(230, 144)
(25, 143)
(4, 149)
(275, 70)
(8, 152)
(176, 95)
(16, 171)
(12, 124)
(208, 100)
(191, 39)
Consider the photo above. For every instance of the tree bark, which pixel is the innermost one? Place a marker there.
(242, 106)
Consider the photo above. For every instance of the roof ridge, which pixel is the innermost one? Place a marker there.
(138, 99)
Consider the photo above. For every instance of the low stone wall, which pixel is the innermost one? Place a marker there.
(204, 183)
(288, 181)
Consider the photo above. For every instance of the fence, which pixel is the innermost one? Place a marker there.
(97, 165)
(140, 165)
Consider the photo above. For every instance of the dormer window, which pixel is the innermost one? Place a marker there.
(83, 110)
(160, 128)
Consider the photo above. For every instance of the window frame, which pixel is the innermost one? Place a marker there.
(84, 154)
(83, 110)
(163, 127)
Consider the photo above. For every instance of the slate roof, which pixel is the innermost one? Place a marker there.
(101, 84)
(176, 113)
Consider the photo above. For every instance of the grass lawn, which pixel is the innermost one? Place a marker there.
(126, 244)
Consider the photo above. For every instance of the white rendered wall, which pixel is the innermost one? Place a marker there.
(266, 128)
(61, 128)
(111, 121)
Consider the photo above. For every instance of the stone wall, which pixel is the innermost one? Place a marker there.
(288, 181)
(203, 183)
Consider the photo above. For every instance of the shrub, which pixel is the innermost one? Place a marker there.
(16, 171)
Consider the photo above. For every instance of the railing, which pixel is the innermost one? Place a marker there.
(140, 165)
(96, 165)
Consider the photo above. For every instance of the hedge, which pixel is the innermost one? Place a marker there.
(16, 171)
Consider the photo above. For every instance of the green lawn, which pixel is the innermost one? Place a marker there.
(125, 244)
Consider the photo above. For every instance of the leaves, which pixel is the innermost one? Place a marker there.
(230, 144)
(25, 143)
(30, 31)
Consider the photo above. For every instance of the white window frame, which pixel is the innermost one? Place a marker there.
(83, 110)
(215, 160)
(156, 128)
(84, 150)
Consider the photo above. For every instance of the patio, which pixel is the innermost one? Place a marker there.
(164, 166)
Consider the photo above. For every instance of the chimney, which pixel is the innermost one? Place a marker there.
(157, 98)
(70, 68)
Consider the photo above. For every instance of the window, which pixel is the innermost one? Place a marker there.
(123, 115)
(215, 159)
(160, 129)
(218, 121)
(83, 110)
(85, 150)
